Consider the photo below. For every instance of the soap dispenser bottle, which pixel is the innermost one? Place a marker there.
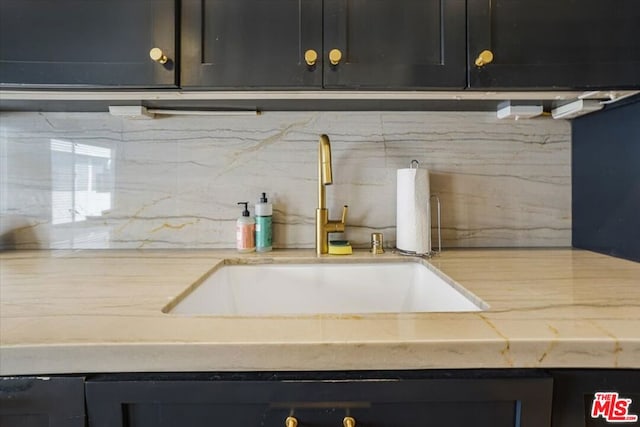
(245, 231)
(264, 230)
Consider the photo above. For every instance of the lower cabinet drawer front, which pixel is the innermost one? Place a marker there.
(496, 414)
(524, 402)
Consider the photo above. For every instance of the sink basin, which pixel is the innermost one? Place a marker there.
(303, 289)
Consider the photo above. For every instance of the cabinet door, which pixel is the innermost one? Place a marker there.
(567, 44)
(86, 43)
(450, 402)
(250, 44)
(41, 402)
(395, 44)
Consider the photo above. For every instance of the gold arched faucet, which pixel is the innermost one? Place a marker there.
(324, 226)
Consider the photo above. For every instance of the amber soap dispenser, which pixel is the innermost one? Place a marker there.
(245, 231)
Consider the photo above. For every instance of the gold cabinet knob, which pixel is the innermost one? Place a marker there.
(485, 57)
(311, 57)
(349, 422)
(335, 56)
(291, 422)
(157, 55)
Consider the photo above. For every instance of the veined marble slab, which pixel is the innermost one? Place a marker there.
(90, 180)
(101, 311)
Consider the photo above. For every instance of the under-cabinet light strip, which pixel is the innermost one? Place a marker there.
(164, 111)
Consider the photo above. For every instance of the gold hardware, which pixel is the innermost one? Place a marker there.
(376, 244)
(335, 56)
(324, 226)
(291, 422)
(349, 422)
(485, 57)
(157, 55)
(310, 57)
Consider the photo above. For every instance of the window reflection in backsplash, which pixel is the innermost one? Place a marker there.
(91, 180)
(81, 180)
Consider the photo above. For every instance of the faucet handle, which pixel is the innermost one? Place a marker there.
(345, 208)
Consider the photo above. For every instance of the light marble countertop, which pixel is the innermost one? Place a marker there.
(101, 311)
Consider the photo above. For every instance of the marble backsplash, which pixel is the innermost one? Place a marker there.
(91, 180)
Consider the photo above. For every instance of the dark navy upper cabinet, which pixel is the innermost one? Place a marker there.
(87, 43)
(238, 44)
(380, 44)
(390, 44)
(568, 44)
(321, 44)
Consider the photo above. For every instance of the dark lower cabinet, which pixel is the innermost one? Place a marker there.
(452, 401)
(458, 398)
(87, 43)
(42, 402)
(568, 44)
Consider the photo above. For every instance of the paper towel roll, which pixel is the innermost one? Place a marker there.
(413, 218)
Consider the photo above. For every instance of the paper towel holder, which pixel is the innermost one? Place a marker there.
(432, 253)
(416, 163)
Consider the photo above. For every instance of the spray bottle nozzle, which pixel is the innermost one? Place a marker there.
(245, 212)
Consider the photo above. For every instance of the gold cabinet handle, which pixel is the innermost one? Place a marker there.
(335, 56)
(291, 422)
(311, 57)
(157, 55)
(349, 422)
(485, 57)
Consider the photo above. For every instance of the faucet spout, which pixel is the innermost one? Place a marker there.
(325, 175)
(324, 160)
(324, 226)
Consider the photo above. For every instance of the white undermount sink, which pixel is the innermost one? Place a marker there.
(305, 289)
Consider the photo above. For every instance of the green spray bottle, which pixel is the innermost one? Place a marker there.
(264, 230)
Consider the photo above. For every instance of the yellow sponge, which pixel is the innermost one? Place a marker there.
(340, 247)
